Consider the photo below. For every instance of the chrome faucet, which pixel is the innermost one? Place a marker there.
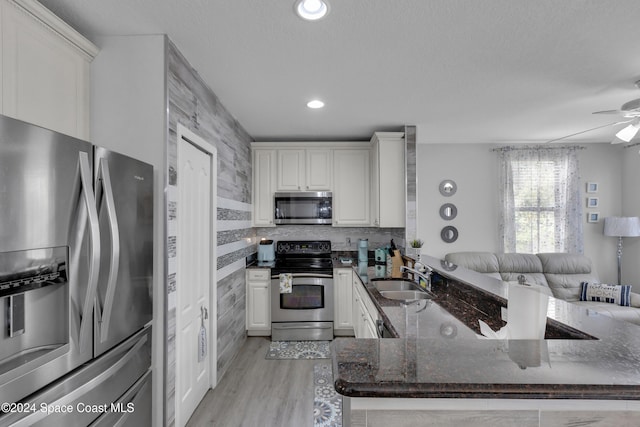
(420, 270)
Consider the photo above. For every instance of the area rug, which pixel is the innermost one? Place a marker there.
(299, 350)
(327, 403)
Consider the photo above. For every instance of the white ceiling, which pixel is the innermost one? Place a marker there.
(461, 70)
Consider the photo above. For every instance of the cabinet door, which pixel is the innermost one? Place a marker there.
(264, 167)
(351, 206)
(291, 170)
(370, 328)
(45, 79)
(343, 298)
(258, 307)
(375, 185)
(319, 170)
(258, 302)
(391, 183)
(357, 311)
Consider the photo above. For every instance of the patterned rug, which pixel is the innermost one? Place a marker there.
(327, 403)
(299, 350)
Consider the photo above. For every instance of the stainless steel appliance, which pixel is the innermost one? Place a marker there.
(76, 271)
(303, 207)
(306, 313)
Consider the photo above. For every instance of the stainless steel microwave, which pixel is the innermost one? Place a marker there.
(302, 207)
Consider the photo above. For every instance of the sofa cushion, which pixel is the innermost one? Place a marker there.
(482, 262)
(602, 292)
(512, 265)
(629, 314)
(565, 272)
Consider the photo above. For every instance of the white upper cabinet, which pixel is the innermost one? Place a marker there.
(290, 170)
(319, 170)
(351, 205)
(45, 69)
(304, 170)
(264, 171)
(388, 186)
(367, 178)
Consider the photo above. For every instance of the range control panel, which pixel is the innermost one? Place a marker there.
(292, 247)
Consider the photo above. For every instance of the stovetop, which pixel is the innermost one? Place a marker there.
(303, 256)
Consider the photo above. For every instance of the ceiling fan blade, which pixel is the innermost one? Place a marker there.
(588, 130)
(607, 112)
(631, 106)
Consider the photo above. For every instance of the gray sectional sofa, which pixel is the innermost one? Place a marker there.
(561, 272)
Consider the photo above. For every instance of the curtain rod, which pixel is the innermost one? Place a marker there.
(538, 147)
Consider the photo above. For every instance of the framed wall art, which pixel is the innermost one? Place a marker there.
(592, 187)
(593, 216)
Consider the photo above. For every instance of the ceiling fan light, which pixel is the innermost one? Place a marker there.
(628, 132)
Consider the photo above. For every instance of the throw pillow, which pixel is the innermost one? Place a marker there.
(602, 292)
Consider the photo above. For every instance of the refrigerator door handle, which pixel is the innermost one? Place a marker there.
(94, 235)
(84, 388)
(104, 313)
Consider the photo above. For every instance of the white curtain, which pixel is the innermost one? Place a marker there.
(540, 196)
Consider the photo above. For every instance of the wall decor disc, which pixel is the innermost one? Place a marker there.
(449, 234)
(448, 211)
(448, 187)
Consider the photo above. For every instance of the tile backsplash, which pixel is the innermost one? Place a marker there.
(338, 235)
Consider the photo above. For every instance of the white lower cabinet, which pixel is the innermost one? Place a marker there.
(343, 301)
(258, 301)
(365, 314)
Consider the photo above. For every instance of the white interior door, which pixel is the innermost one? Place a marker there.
(196, 274)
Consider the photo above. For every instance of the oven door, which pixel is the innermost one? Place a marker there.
(306, 313)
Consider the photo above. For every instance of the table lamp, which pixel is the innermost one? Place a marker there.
(620, 227)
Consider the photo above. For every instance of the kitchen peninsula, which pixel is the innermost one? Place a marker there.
(587, 367)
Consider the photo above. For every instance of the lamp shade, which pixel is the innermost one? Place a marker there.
(622, 226)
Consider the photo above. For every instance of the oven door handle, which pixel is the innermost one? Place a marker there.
(315, 275)
(298, 326)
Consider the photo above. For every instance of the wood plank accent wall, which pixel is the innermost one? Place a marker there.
(193, 104)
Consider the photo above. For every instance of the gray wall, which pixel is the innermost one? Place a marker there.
(141, 88)
(193, 104)
(128, 115)
(474, 167)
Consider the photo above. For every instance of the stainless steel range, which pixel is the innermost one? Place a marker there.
(306, 312)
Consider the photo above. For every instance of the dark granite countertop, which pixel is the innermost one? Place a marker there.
(438, 354)
(261, 264)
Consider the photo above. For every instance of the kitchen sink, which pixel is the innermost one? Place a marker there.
(405, 295)
(394, 285)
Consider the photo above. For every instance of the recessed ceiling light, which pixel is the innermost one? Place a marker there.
(316, 103)
(311, 10)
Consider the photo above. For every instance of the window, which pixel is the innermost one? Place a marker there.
(540, 195)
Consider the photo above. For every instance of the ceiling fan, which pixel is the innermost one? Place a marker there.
(630, 111)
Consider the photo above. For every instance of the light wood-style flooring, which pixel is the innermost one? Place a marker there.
(258, 392)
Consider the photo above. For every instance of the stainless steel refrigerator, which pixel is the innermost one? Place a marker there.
(76, 272)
